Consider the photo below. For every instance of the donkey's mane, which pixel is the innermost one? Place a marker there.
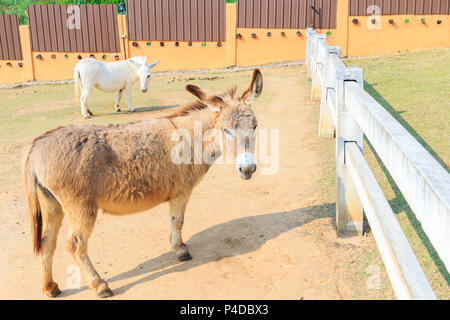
(198, 105)
(140, 60)
(187, 109)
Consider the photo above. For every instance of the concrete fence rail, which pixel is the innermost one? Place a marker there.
(349, 113)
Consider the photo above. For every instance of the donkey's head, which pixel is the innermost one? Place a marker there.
(143, 71)
(237, 121)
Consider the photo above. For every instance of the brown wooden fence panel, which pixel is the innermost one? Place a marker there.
(10, 46)
(98, 32)
(392, 7)
(176, 20)
(286, 14)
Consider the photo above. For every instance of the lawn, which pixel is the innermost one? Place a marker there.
(414, 88)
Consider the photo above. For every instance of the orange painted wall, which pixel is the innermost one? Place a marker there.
(183, 57)
(264, 49)
(61, 68)
(354, 40)
(276, 48)
(14, 73)
(400, 36)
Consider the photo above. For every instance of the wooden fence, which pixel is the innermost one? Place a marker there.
(10, 46)
(361, 7)
(286, 14)
(97, 30)
(176, 20)
(349, 113)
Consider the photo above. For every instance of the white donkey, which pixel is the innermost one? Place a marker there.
(110, 77)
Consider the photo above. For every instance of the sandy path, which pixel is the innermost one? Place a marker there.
(268, 238)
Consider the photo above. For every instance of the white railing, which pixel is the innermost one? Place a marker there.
(349, 113)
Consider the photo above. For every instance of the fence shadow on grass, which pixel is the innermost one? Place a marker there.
(229, 239)
(370, 88)
(399, 203)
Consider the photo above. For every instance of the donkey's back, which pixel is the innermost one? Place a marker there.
(106, 164)
(106, 76)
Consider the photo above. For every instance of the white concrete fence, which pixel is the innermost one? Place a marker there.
(349, 113)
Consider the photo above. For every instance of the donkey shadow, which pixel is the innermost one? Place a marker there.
(229, 239)
(137, 110)
(156, 108)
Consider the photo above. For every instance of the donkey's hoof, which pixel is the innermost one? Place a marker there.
(105, 293)
(185, 257)
(53, 291)
(87, 116)
(89, 112)
(118, 110)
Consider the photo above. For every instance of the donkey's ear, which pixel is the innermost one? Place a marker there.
(196, 92)
(214, 102)
(134, 63)
(154, 64)
(255, 89)
(138, 61)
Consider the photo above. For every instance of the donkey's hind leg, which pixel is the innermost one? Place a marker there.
(52, 215)
(177, 209)
(85, 92)
(82, 221)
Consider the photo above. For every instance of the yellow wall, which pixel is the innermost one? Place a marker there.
(61, 68)
(400, 36)
(264, 49)
(14, 73)
(354, 40)
(183, 57)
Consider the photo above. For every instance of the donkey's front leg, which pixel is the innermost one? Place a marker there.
(177, 209)
(128, 94)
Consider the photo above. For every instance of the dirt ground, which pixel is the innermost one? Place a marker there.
(272, 237)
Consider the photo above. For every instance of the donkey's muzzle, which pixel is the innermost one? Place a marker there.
(247, 172)
(246, 165)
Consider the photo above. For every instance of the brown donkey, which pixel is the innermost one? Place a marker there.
(129, 168)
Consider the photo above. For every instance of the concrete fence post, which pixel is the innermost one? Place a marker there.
(326, 122)
(310, 32)
(349, 210)
(318, 58)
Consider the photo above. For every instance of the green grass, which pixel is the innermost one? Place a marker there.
(414, 87)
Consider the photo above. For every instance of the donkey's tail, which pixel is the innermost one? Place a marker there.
(33, 204)
(78, 84)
